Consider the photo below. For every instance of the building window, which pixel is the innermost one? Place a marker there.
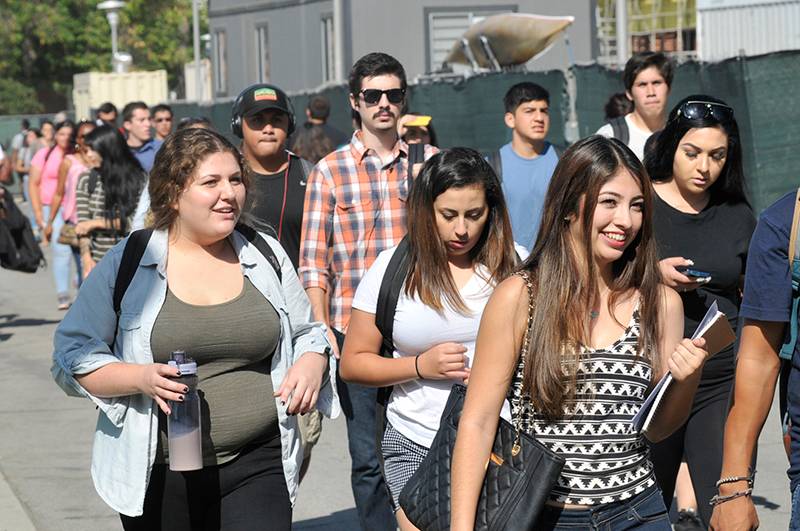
(220, 63)
(328, 48)
(262, 53)
(445, 27)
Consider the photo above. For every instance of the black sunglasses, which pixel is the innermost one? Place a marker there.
(373, 96)
(698, 110)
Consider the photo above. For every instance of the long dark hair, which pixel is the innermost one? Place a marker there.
(429, 273)
(120, 173)
(565, 277)
(659, 158)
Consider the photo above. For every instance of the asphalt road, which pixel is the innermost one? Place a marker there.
(45, 441)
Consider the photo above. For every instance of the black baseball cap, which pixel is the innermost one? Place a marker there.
(259, 97)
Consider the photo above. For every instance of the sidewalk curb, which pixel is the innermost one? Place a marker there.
(13, 516)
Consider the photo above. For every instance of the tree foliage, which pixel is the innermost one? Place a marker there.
(44, 43)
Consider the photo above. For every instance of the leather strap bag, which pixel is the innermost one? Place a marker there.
(520, 472)
(68, 236)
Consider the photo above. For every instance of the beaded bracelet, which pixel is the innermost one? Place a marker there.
(736, 479)
(717, 499)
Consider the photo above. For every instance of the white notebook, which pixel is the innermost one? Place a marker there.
(718, 334)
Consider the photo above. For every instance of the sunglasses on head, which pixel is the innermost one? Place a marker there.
(698, 110)
(373, 96)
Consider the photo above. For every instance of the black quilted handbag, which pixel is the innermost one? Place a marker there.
(520, 474)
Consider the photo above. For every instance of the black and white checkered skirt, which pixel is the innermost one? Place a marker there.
(401, 458)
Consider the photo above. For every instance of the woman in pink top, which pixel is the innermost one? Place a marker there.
(42, 184)
(71, 168)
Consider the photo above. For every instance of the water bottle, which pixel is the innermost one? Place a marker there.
(183, 423)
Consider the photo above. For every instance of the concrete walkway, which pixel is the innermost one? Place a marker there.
(46, 441)
(45, 446)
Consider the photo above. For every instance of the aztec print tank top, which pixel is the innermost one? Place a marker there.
(606, 459)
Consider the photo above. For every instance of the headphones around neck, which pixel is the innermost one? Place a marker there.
(236, 114)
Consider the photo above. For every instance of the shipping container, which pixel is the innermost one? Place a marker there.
(728, 28)
(91, 89)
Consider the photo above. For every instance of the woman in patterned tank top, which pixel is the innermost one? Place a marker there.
(600, 329)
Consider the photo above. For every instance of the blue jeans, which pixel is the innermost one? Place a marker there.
(794, 522)
(61, 255)
(645, 511)
(371, 495)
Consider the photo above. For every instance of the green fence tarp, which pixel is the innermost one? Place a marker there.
(470, 112)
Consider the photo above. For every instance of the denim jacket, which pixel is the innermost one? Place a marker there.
(127, 426)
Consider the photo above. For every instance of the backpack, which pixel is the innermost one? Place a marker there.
(496, 161)
(391, 285)
(137, 244)
(787, 350)
(619, 128)
(18, 248)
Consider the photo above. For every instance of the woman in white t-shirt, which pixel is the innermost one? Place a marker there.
(460, 248)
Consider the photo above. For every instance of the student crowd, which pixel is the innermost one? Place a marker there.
(558, 285)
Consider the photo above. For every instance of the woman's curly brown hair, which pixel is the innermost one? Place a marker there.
(175, 165)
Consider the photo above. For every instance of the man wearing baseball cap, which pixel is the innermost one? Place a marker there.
(263, 117)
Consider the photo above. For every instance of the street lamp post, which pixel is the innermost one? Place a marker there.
(198, 83)
(112, 9)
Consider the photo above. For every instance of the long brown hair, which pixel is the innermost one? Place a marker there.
(429, 273)
(180, 155)
(565, 276)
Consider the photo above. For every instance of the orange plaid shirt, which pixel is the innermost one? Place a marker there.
(355, 208)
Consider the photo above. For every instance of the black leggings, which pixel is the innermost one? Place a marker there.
(248, 493)
(700, 441)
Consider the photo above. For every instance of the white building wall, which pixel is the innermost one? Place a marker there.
(728, 28)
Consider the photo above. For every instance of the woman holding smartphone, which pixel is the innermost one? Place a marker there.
(460, 247)
(702, 224)
(588, 328)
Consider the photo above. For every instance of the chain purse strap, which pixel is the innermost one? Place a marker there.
(518, 405)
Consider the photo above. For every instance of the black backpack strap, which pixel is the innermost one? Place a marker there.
(496, 162)
(135, 247)
(263, 247)
(619, 127)
(131, 256)
(391, 286)
(416, 155)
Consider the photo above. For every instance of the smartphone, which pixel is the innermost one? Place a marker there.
(693, 273)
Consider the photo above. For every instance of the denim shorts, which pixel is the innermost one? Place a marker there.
(644, 511)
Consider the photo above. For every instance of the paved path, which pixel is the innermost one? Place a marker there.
(46, 441)
(45, 444)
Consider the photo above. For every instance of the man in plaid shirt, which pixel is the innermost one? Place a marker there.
(355, 208)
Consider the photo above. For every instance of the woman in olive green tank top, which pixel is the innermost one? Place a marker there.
(203, 288)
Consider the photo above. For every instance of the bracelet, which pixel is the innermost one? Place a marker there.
(416, 366)
(736, 479)
(717, 499)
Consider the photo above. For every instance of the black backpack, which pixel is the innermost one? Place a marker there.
(619, 128)
(18, 248)
(137, 244)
